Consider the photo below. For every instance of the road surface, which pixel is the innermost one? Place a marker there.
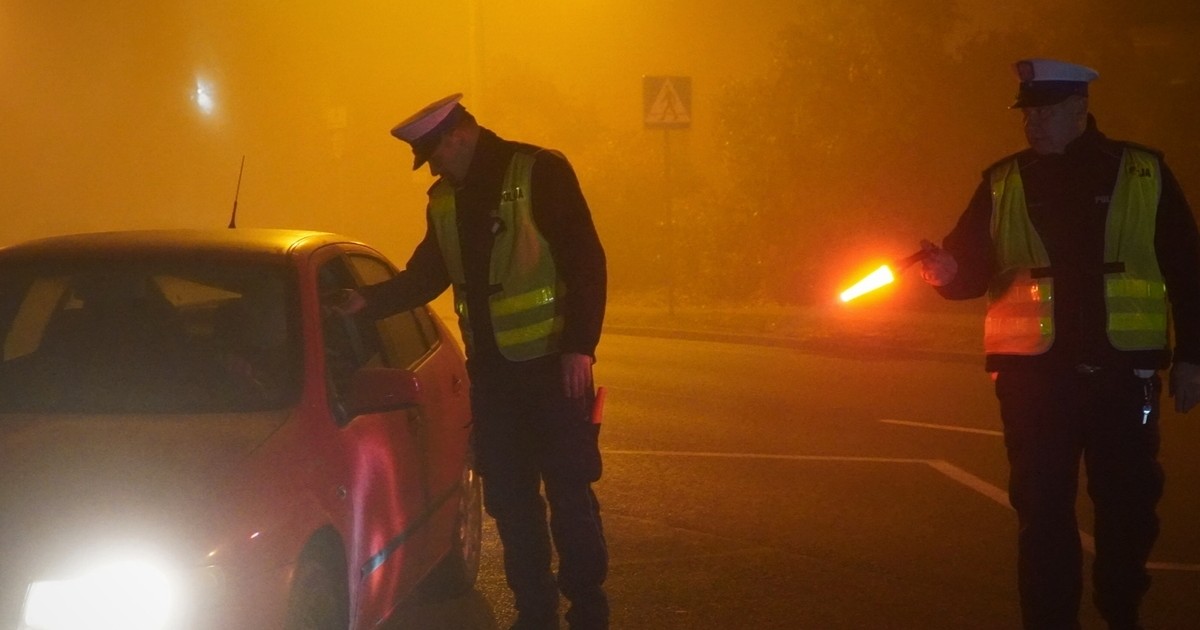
(756, 486)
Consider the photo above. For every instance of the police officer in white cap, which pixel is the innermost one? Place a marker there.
(1087, 250)
(510, 231)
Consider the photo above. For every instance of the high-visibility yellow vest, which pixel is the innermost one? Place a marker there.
(526, 314)
(1020, 317)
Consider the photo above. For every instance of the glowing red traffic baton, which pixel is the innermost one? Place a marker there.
(882, 276)
(598, 406)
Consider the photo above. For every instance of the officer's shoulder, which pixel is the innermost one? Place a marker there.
(1121, 145)
(548, 162)
(540, 153)
(437, 186)
(1020, 156)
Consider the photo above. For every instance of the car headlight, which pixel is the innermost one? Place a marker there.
(125, 595)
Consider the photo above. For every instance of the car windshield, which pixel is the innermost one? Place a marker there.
(147, 337)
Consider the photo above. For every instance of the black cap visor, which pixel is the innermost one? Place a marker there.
(1042, 93)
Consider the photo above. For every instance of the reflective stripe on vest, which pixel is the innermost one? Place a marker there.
(525, 311)
(1020, 317)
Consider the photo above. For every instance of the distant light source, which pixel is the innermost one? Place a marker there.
(203, 97)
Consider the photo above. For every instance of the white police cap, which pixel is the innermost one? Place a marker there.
(1050, 81)
(423, 129)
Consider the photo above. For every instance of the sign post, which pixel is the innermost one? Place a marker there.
(667, 105)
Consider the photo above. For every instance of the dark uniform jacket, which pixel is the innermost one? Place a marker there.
(564, 220)
(1067, 196)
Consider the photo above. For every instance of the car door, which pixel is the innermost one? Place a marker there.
(383, 456)
(413, 340)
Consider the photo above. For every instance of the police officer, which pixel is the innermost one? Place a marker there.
(508, 228)
(1086, 249)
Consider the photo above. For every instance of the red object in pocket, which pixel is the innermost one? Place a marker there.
(598, 406)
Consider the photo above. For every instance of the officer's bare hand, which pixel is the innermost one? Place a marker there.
(1185, 385)
(577, 374)
(938, 267)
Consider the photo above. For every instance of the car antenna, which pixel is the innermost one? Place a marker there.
(237, 191)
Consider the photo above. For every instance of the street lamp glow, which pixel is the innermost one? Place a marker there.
(203, 96)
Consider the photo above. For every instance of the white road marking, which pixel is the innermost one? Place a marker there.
(1172, 566)
(794, 458)
(944, 467)
(971, 481)
(996, 494)
(943, 427)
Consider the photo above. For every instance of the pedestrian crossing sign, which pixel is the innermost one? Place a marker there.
(667, 102)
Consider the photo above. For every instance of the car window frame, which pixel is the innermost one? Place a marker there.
(424, 321)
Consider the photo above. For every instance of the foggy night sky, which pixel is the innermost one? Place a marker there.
(103, 128)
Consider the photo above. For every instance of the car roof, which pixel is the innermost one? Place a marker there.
(237, 241)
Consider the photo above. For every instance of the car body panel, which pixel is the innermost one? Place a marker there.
(234, 497)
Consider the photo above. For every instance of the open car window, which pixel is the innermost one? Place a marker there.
(406, 337)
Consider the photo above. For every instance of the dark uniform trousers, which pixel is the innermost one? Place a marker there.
(1052, 418)
(529, 434)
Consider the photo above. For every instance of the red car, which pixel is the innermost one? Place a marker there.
(190, 437)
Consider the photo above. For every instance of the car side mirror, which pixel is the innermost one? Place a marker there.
(377, 390)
